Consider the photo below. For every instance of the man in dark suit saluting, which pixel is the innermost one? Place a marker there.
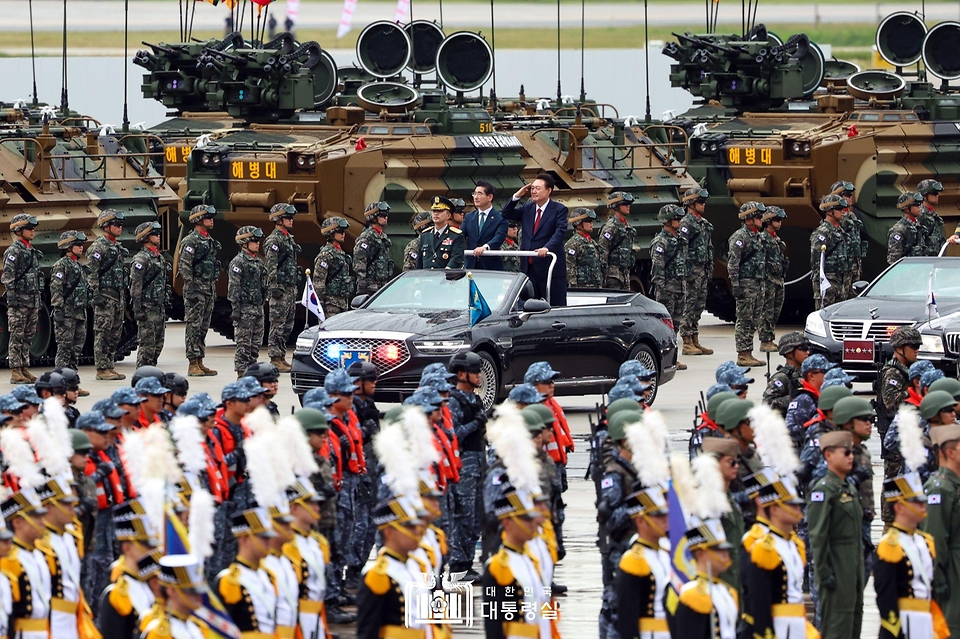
(485, 229)
(544, 224)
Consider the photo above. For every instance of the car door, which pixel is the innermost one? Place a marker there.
(550, 337)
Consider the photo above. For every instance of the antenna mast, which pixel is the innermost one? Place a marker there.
(64, 102)
(126, 32)
(33, 56)
(558, 53)
(583, 19)
(646, 56)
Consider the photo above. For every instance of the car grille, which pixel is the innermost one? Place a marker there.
(878, 331)
(953, 342)
(381, 351)
(300, 379)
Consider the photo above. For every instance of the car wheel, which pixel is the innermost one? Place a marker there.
(644, 354)
(489, 380)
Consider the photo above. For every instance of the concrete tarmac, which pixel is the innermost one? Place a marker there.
(580, 570)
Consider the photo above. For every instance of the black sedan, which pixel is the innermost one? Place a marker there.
(422, 317)
(855, 333)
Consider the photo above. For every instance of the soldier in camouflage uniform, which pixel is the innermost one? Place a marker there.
(583, 253)
(332, 278)
(929, 220)
(511, 243)
(905, 238)
(669, 270)
(372, 263)
(199, 267)
(785, 382)
(696, 233)
(853, 235)
(247, 291)
(108, 281)
(827, 242)
(746, 266)
(69, 299)
(777, 264)
(149, 293)
(616, 243)
(23, 283)
(419, 223)
(280, 259)
(892, 388)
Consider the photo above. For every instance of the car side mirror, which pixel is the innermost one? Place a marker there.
(358, 301)
(859, 286)
(533, 307)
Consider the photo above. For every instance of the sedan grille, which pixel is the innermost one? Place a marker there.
(877, 331)
(385, 354)
(953, 342)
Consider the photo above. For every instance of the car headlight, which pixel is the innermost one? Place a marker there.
(931, 344)
(304, 344)
(815, 324)
(439, 346)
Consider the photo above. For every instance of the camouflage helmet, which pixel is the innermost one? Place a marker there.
(71, 238)
(832, 202)
(280, 211)
(145, 230)
(774, 213)
(926, 187)
(421, 220)
(202, 212)
(458, 204)
(905, 336)
(246, 234)
(789, 342)
(617, 198)
(110, 216)
(333, 225)
(580, 215)
(375, 210)
(23, 221)
(751, 209)
(694, 196)
(670, 212)
(842, 188)
(909, 199)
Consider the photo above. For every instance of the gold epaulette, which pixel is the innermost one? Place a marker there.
(229, 585)
(324, 545)
(43, 545)
(441, 538)
(634, 562)
(291, 551)
(889, 548)
(696, 596)
(931, 544)
(377, 579)
(764, 553)
(12, 569)
(756, 532)
(499, 566)
(119, 596)
(76, 531)
(118, 568)
(158, 629)
(801, 547)
(454, 229)
(549, 536)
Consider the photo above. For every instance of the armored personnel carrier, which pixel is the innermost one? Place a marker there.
(65, 169)
(775, 123)
(370, 133)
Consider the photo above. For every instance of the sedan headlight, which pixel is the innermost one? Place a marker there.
(815, 324)
(439, 346)
(304, 344)
(931, 344)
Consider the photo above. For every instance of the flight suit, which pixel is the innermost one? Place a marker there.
(943, 524)
(442, 250)
(247, 292)
(834, 515)
(69, 299)
(734, 527)
(280, 259)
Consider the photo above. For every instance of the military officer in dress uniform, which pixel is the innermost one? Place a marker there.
(245, 588)
(834, 517)
(442, 247)
(943, 522)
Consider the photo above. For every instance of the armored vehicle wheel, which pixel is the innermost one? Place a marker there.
(644, 354)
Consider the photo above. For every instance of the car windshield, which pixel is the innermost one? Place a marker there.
(910, 279)
(432, 291)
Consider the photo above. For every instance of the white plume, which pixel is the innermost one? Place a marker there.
(712, 499)
(647, 440)
(393, 451)
(200, 523)
(773, 441)
(302, 462)
(133, 447)
(259, 420)
(49, 453)
(508, 433)
(912, 450)
(263, 480)
(20, 458)
(423, 453)
(185, 430)
(683, 482)
(58, 426)
(158, 471)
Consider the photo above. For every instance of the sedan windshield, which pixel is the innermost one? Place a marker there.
(432, 291)
(910, 280)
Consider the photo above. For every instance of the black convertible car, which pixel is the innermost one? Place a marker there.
(422, 317)
(855, 333)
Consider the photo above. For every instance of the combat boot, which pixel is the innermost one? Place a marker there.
(703, 349)
(768, 347)
(117, 375)
(17, 376)
(281, 364)
(28, 374)
(746, 358)
(209, 372)
(689, 348)
(194, 370)
(681, 366)
(338, 616)
(108, 374)
(83, 393)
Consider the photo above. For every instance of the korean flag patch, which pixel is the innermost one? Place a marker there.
(933, 499)
(12, 257)
(323, 264)
(59, 276)
(894, 382)
(96, 255)
(607, 482)
(896, 237)
(608, 236)
(138, 265)
(363, 245)
(275, 247)
(236, 269)
(777, 383)
(571, 252)
(792, 405)
(188, 249)
(659, 249)
(738, 243)
(817, 496)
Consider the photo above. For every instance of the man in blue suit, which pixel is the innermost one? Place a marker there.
(543, 223)
(485, 230)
